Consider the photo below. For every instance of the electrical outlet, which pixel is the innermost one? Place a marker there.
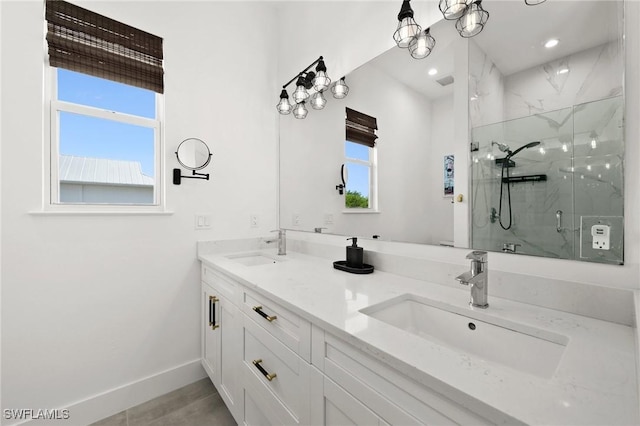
(328, 219)
(296, 219)
(254, 221)
(203, 221)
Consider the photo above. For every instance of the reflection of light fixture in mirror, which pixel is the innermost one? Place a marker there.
(452, 9)
(533, 2)
(408, 29)
(284, 106)
(422, 45)
(300, 111)
(551, 43)
(607, 166)
(340, 89)
(192, 154)
(321, 81)
(305, 80)
(318, 101)
(473, 20)
(565, 148)
(542, 150)
(594, 140)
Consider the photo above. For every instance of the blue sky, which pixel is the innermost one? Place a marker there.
(358, 175)
(93, 137)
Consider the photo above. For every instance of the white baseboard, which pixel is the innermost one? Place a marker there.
(113, 401)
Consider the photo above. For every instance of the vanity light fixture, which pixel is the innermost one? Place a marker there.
(300, 111)
(301, 94)
(340, 89)
(452, 9)
(306, 80)
(284, 106)
(422, 45)
(473, 20)
(318, 101)
(407, 29)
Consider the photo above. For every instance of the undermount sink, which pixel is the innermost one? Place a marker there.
(252, 259)
(518, 346)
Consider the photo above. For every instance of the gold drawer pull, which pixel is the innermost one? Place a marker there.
(258, 309)
(269, 377)
(212, 312)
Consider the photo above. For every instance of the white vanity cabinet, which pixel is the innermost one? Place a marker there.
(377, 393)
(222, 337)
(273, 367)
(275, 363)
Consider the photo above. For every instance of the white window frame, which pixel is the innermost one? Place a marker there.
(372, 165)
(51, 184)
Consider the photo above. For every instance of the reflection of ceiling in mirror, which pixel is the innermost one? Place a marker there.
(579, 25)
(398, 64)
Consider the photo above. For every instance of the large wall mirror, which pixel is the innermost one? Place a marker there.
(540, 171)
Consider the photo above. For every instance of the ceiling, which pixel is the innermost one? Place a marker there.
(513, 38)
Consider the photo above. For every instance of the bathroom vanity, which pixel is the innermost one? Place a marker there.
(291, 340)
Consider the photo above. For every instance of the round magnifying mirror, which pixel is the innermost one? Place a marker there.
(193, 154)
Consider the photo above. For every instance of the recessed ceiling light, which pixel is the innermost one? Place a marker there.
(433, 71)
(551, 43)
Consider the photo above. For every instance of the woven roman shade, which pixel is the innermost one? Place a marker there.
(361, 128)
(84, 41)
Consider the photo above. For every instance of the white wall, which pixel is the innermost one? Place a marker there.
(440, 213)
(93, 303)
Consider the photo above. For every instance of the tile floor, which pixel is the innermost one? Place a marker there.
(197, 404)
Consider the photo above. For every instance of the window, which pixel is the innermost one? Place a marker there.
(361, 161)
(105, 127)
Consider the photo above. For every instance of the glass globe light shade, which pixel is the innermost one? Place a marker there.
(452, 9)
(300, 111)
(300, 94)
(340, 89)
(284, 106)
(318, 101)
(421, 46)
(473, 20)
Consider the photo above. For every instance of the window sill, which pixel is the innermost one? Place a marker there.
(361, 211)
(95, 210)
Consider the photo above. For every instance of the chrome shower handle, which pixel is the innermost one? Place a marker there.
(559, 221)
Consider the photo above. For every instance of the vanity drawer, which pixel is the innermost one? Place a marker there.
(276, 377)
(222, 284)
(396, 398)
(294, 332)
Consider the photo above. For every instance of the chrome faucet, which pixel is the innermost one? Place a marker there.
(510, 247)
(477, 278)
(282, 241)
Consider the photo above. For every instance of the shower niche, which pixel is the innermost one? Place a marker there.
(551, 184)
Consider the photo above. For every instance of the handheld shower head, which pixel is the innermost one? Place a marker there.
(529, 145)
(502, 147)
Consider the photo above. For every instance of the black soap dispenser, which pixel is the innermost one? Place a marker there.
(355, 254)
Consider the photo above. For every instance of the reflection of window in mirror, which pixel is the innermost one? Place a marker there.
(361, 161)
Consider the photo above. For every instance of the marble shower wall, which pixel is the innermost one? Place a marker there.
(581, 158)
(579, 78)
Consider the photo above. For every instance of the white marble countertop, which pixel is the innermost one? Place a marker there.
(595, 382)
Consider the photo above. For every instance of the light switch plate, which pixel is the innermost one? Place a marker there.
(203, 221)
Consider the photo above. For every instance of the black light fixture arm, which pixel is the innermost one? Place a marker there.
(300, 74)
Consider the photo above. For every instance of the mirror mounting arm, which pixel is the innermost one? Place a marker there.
(177, 176)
